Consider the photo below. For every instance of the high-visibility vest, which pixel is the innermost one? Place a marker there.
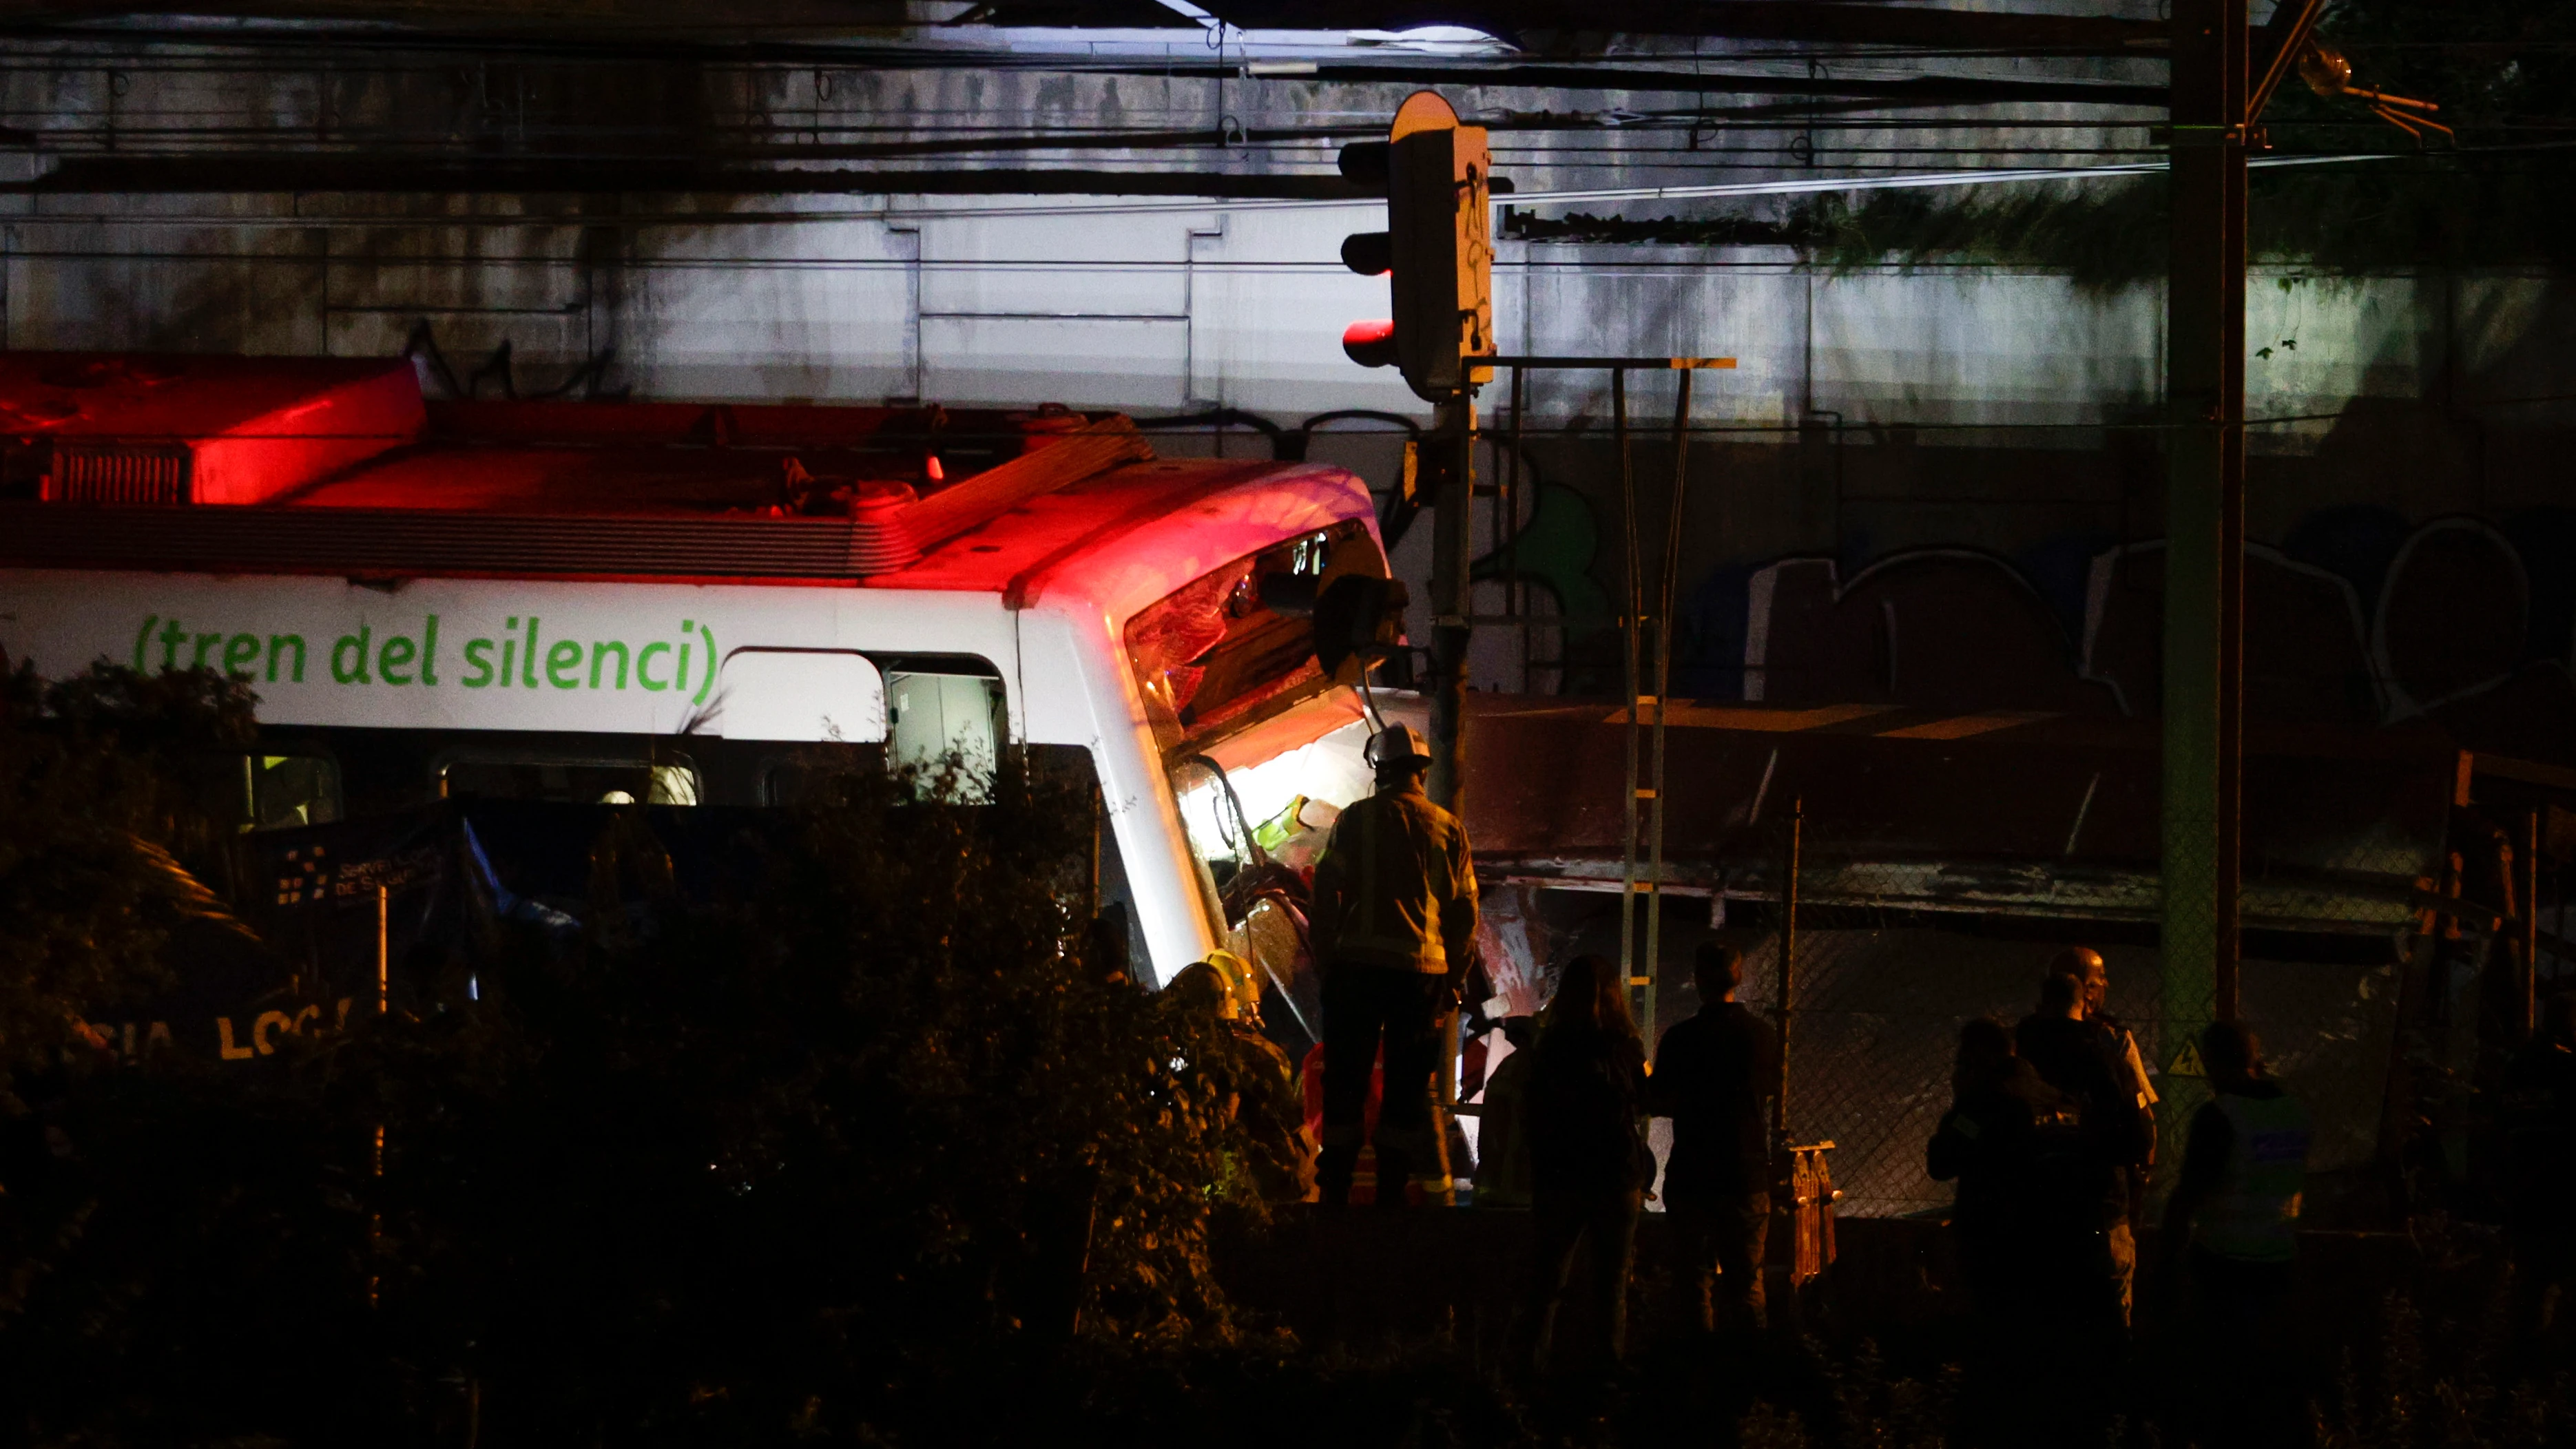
(2254, 1215)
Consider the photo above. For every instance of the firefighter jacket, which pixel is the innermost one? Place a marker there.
(1395, 888)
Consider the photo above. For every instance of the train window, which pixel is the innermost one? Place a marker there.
(804, 775)
(802, 694)
(538, 774)
(934, 717)
(281, 792)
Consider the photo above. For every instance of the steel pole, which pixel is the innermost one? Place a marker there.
(2204, 516)
(1666, 591)
(376, 1158)
(1787, 964)
(2530, 924)
(1628, 627)
(1453, 541)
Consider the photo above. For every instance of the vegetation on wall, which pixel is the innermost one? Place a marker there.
(2499, 194)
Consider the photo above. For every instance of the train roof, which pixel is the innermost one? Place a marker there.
(253, 465)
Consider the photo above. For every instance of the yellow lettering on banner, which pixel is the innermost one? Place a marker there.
(309, 1013)
(129, 1041)
(341, 1023)
(158, 1036)
(259, 1031)
(224, 1042)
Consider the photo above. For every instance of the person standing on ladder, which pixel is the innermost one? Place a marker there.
(1394, 927)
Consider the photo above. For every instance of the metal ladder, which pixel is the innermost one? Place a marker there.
(1647, 709)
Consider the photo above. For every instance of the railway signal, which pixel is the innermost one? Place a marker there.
(1437, 250)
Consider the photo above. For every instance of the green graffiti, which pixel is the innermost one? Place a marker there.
(1554, 551)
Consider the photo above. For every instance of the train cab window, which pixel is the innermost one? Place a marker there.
(535, 774)
(1258, 806)
(1269, 794)
(1219, 650)
(1220, 835)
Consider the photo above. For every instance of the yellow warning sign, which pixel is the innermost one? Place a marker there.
(2186, 1063)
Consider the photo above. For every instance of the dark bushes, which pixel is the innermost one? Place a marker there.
(813, 1152)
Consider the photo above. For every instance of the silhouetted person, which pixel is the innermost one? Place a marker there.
(1713, 1075)
(2079, 1059)
(1259, 1085)
(1395, 919)
(2013, 1146)
(2135, 1148)
(2235, 1214)
(1989, 1143)
(2024, 1216)
(1589, 1164)
(2540, 1117)
(1502, 1133)
(1106, 947)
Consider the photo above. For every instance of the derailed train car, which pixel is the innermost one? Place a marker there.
(449, 610)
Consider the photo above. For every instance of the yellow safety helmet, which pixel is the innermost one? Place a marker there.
(1242, 991)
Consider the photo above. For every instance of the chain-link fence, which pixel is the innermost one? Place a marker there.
(1875, 1021)
(1881, 987)
(2402, 916)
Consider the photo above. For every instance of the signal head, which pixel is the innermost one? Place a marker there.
(1370, 343)
(1365, 163)
(1369, 253)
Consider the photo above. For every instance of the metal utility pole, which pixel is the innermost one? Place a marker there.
(2204, 513)
(1452, 548)
(1792, 843)
(2530, 924)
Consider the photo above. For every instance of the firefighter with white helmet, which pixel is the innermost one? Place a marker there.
(1394, 923)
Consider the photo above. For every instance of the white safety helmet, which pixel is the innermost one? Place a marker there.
(1397, 745)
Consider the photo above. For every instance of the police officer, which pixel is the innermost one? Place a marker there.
(1394, 924)
(2236, 1207)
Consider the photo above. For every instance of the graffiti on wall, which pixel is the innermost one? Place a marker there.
(2459, 620)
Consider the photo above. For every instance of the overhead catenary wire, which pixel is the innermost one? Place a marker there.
(1578, 426)
(1789, 186)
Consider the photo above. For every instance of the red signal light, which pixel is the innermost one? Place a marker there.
(1370, 343)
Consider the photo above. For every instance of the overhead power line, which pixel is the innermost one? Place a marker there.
(890, 183)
